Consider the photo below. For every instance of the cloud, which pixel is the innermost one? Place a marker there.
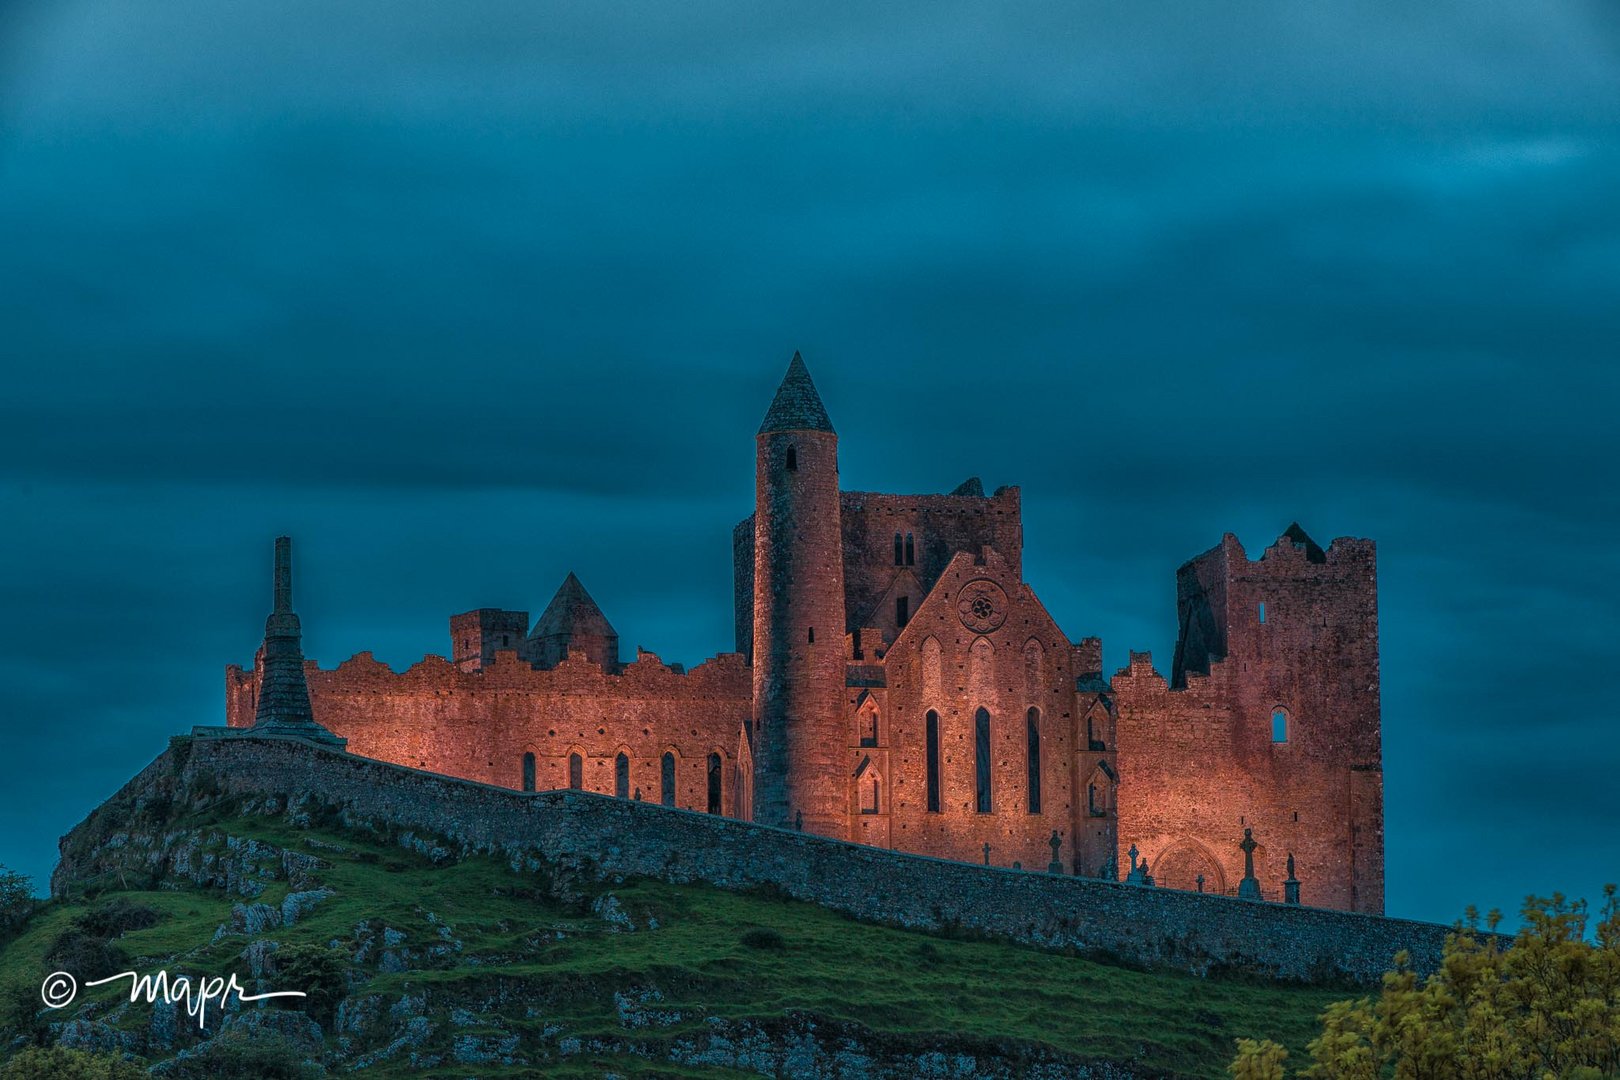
(468, 297)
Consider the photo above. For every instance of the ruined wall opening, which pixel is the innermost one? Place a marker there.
(868, 731)
(870, 786)
(1279, 725)
(981, 760)
(714, 783)
(933, 760)
(576, 771)
(1100, 793)
(621, 776)
(1034, 757)
(1183, 862)
(666, 780)
(528, 771)
(911, 551)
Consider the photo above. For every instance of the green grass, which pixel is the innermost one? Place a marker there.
(912, 988)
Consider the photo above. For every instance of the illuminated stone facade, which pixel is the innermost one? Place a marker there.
(897, 683)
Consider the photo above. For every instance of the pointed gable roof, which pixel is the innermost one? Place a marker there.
(1313, 551)
(797, 406)
(572, 612)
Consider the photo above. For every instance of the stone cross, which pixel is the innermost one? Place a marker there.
(1133, 853)
(1248, 888)
(1200, 882)
(1056, 865)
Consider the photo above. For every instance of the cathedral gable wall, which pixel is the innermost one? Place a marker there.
(980, 640)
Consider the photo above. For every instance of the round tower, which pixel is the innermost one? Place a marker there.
(798, 615)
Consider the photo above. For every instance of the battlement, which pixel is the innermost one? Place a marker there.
(723, 675)
(1264, 609)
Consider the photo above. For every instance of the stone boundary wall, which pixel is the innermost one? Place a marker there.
(606, 837)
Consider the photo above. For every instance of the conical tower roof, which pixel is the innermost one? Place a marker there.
(797, 406)
(573, 612)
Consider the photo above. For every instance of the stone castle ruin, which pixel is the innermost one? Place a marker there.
(896, 683)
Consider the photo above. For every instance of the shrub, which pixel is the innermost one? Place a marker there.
(763, 937)
(116, 916)
(1547, 1004)
(84, 954)
(55, 1063)
(320, 972)
(234, 1054)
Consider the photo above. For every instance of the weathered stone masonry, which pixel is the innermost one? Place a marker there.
(606, 837)
(899, 684)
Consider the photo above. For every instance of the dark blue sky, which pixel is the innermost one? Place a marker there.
(466, 296)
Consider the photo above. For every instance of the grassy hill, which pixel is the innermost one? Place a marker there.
(421, 964)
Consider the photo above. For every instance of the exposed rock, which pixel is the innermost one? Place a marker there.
(296, 905)
(254, 918)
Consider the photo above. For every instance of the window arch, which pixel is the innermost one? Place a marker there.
(868, 788)
(981, 760)
(1034, 759)
(528, 771)
(1100, 793)
(932, 725)
(666, 780)
(576, 771)
(911, 551)
(933, 667)
(1034, 669)
(933, 760)
(621, 776)
(866, 723)
(1279, 725)
(899, 550)
(714, 783)
(792, 459)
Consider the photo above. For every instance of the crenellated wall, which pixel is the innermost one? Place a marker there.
(479, 725)
(1202, 755)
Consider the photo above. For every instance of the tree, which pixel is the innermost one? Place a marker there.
(1545, 1005)
(56, 1063)
(16, 900)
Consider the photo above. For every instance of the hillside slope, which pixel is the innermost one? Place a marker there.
(420, 962)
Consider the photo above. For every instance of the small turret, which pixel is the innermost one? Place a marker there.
(283, 701)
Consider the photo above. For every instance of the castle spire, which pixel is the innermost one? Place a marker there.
(797, 406)
(283, 706)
